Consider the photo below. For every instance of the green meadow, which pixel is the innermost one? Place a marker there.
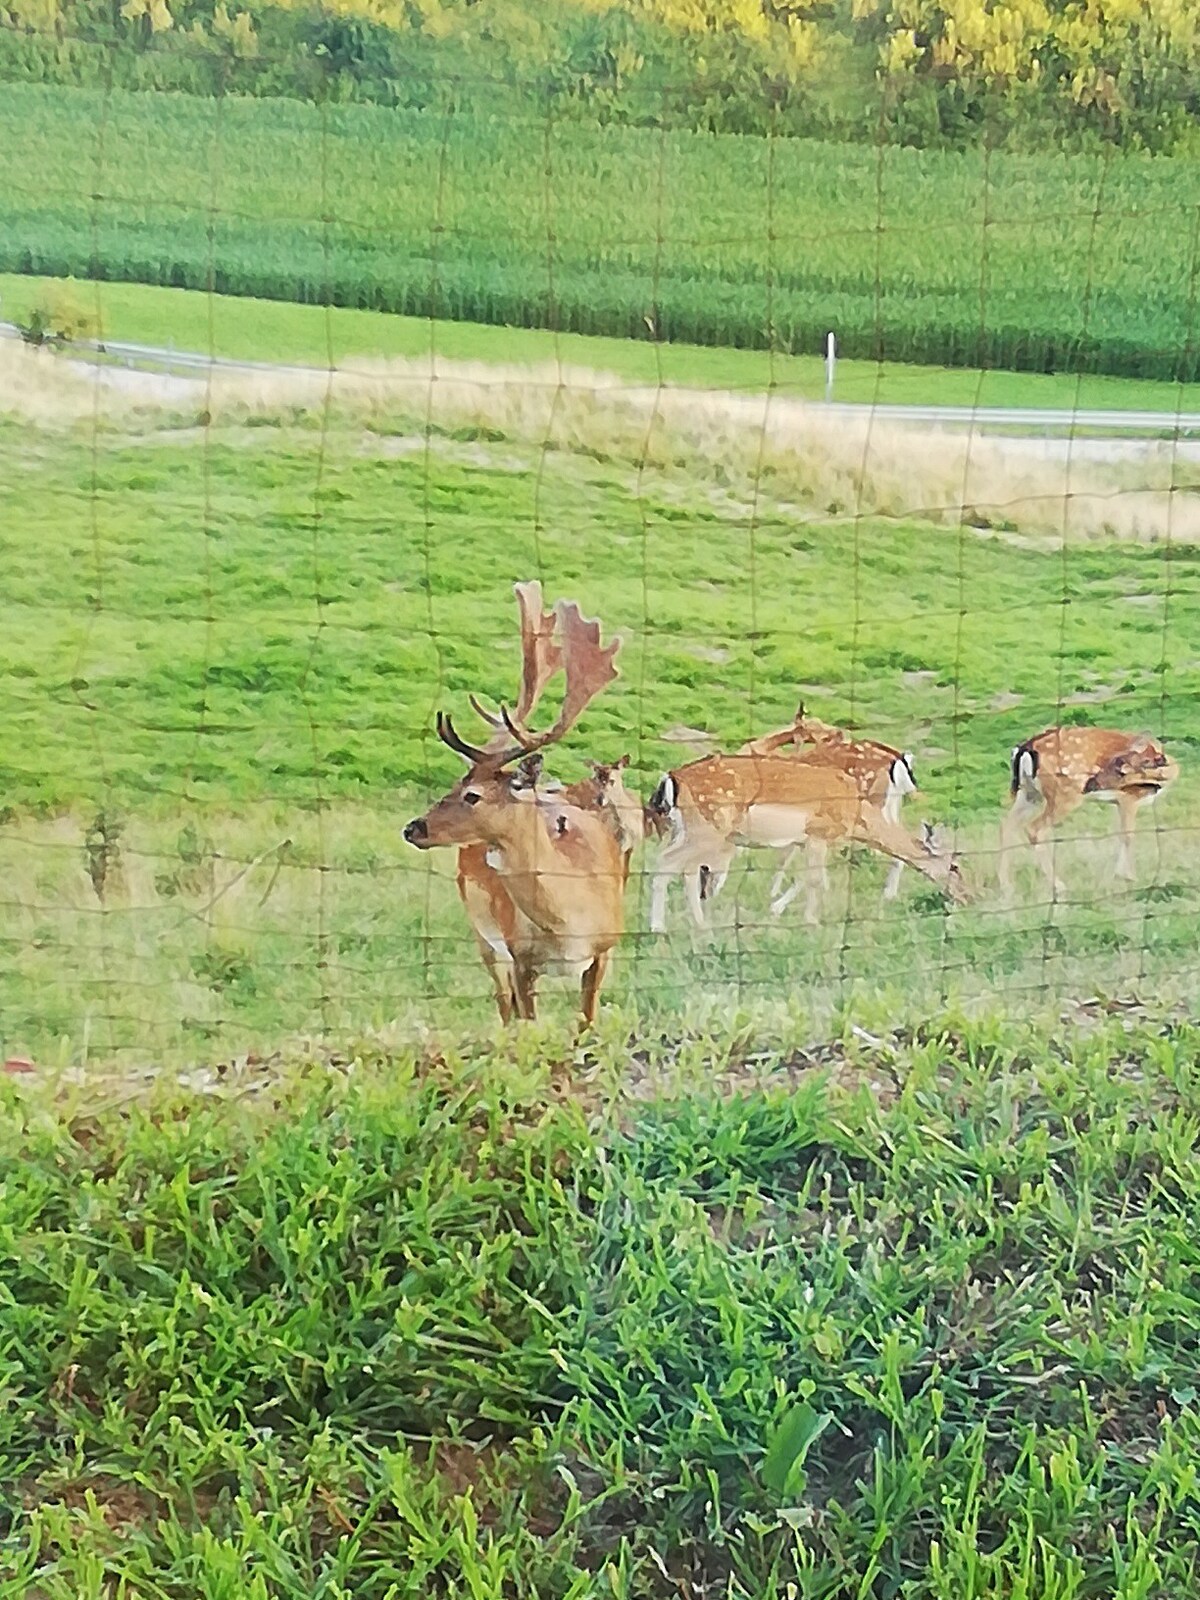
(224, 643)
(246, 329)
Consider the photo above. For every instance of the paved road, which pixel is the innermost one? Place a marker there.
(1030, 421)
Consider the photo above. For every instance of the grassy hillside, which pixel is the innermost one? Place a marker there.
(223, 644)
(632, 1326)
(1033, 263)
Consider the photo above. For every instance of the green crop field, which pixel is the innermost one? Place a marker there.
(1041, 262)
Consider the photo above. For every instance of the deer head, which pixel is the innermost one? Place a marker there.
(940, 866)
(479, 808)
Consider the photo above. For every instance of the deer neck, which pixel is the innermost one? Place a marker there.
(542, 863)
(893, 840)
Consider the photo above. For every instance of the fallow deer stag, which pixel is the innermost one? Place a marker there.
(719, 802)
(542, 890)
(1056, 771)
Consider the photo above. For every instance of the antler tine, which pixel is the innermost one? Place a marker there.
(541, 656)
(589, 664)
(540, 660)
(481, 711)
(447, 734)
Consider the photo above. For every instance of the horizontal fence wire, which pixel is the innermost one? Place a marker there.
(263, 530)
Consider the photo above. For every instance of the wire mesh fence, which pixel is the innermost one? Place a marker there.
(254, 545)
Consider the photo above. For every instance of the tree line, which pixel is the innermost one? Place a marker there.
(930, 73)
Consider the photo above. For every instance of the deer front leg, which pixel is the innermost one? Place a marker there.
(589, 990)
(525, 979)
(780, 878)
(815, 879)
(502, 979)
(817, 875)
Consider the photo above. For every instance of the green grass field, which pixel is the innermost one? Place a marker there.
(225, 675)
(987, 260)
(272, 330)
(836, 1264)
(915, 1317)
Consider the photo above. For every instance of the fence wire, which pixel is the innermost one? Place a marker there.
(339, 376)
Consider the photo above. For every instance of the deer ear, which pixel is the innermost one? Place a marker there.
(527, 772)
(619, 766)
(928, 837)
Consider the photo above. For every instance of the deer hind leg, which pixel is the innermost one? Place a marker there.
(815, 880)
(717, 856)
(1040, 837)
(683, 857)
(716, 881)
(891, 813)
(589, 989)
(1027, 813)
(1126, 816)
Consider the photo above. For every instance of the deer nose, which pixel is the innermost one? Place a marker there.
(417, 831)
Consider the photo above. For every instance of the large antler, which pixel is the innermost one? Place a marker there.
(541, 658)
(589, 668)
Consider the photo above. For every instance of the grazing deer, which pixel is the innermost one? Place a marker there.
(543, 887)
(883, 774)
(1056, 771)
(715, 804)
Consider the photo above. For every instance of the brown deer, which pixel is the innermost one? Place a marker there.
(562, 868)
(719, 802)
(604, 792)
(619, 808)
(1056, 771)
(884, 776)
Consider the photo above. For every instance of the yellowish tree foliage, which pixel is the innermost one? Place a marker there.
(157, 11)
(1094, 47)
(700, 16)
(39, 16)
(237, 31)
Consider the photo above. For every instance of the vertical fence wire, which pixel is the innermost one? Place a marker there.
(528, 467)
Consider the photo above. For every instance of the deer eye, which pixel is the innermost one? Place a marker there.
(472, 797)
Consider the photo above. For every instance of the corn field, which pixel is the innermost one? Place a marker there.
(1038, 263)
